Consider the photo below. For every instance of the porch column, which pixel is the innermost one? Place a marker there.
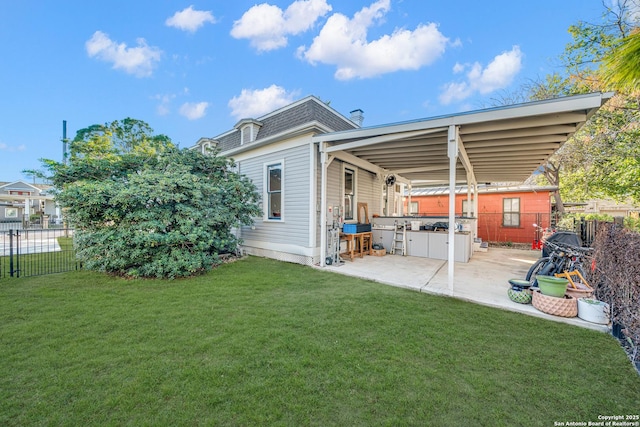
(452, 152)
(323, 205)
(26, 215)
(469, 207)
(475, 209)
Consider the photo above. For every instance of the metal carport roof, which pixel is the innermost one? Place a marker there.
(504, 144)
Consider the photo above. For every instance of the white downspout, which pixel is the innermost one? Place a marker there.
(323, 205)
(453, 158)
(313, 201)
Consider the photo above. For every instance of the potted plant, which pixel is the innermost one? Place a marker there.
(594, 311)
(552, 286)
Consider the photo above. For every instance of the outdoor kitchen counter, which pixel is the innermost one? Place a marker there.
(428, 244)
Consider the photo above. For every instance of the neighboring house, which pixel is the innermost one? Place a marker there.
(20, 201)
(506, 213)
(310, 163)
(604, 207)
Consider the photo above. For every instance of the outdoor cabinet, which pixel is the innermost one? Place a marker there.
(463, 247)
(418, 243)
(428, 244)
(383, 237)
(438, 247)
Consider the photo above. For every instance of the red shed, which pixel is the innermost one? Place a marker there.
(506, 213)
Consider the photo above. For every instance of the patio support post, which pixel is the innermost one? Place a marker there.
(323, 204)
(469, 207)
(452, 152)
(475, 209)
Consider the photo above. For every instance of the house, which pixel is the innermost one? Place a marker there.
(277, 153)
(604, 207)
(313, 165)
(505, 213)
(20, 201)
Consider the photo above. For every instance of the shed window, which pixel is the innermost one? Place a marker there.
(274, 191)
(511, 212)
(467, 206)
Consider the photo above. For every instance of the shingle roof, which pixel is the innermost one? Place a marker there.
(308, 110)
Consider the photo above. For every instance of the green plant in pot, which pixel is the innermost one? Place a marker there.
(552, 286)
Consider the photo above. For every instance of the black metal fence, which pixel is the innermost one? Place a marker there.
(587, 228)
(36, 252)
(32, 224)
(532, 227)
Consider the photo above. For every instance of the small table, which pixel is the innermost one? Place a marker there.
(356, 243)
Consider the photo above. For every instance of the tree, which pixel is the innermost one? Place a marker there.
(143, 208)
(623, 65)
(601, 160)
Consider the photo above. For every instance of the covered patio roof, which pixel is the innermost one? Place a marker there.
(504, 144)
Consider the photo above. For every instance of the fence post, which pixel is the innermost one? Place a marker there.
(10, 252)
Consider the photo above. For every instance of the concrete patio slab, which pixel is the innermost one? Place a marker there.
(483, 280)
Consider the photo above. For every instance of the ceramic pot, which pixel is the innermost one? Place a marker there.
(594, 311)
(552, 286)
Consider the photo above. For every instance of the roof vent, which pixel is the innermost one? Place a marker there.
(357, 117)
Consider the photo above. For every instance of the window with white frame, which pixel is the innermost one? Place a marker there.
(511, 212)
(413, 209)
(10, 212)
(247, 134)
(467, 206)
(205, 147)
(273, 190)
(349, 193)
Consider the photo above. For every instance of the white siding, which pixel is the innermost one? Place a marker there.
(367, 188)
(294, 229)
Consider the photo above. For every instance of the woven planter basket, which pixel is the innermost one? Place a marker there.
(563, 307)
(521, 297)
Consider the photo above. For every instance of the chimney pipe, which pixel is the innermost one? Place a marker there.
(357, 117)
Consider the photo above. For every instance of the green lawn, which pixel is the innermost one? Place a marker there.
(259, 342)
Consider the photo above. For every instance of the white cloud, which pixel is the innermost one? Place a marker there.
(343, 42)
(194, 111)
(12, 148)
(255, 103)
(267, 26)
(163, 107)
(458, 68)
(139, 60)
(497, 75)
(190, 20)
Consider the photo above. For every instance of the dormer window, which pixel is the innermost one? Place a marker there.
(206, 145)
(247, 134)
(248, 130)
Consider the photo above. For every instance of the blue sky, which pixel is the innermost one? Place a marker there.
(193, 69)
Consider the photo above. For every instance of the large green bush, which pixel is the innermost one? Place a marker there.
(144, 208)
